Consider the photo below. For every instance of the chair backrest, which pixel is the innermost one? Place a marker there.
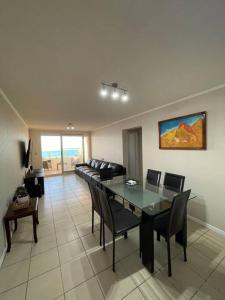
(94, 197)
(174, 182)
(178, 212)
(106, 209)
(153, 177)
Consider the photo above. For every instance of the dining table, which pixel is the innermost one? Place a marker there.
(152, 201)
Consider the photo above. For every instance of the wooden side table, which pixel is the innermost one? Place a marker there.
(13, 215)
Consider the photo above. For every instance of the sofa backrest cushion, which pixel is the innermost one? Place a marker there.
(117, 169)
(93, 163)
(104, 165)
(97, 165)
(88, 162)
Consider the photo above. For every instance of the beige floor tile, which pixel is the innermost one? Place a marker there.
(91, 241)
(64, 224)
(199, 263)
(75, 272)
(17, 293)
(43, 244)
(125, 247)
(14, 275)
(195, 227)
(45, 230)
(18, 252)
(159, 288)
(85, 228)
(115, 285)
(71, 250)
(66, 235)
(46, 286)
(186, 281)
(100, 259)
(43, 262)
(88, 290)
(82, 218)
(60, 298)
(210, 247)
(135, 295)
(217, 280)
(134, 267)
(206, 292)
(24, 237)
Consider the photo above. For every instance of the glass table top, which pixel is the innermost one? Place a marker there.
(142, 195)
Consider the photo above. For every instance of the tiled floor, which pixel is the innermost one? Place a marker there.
(67, 262)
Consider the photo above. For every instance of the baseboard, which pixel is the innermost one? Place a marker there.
(213, 228)
(2, 256)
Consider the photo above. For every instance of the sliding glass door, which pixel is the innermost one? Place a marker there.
(61, 153)
(51, 155)
(72, 151)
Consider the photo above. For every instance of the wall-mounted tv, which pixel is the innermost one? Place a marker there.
(27, 155)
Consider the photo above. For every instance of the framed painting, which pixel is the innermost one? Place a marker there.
(183, 133)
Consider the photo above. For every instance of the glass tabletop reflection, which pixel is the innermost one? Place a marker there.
(141, 195)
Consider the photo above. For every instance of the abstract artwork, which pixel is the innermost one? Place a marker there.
(184, 133)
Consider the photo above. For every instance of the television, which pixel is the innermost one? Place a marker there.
(27, 155)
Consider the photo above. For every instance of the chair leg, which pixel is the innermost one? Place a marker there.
(103, 230)
(125, 235)
(113, 253)
(185, 253)
(92, 219)
(100, 230)
(169, 257)
(158, 236)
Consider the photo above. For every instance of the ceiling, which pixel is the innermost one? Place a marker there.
(54, 54)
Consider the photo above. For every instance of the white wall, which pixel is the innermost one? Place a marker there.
(12, 133)
(204, 170)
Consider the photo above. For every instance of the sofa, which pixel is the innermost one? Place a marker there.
(102, 168)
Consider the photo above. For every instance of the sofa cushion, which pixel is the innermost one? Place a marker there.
(93, 163)
(117, 169)
(104, 165)
(89, 162)
(97, 165)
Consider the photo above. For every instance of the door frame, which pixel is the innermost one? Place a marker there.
(125, 149)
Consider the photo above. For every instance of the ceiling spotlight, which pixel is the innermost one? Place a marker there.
(103, 91)
(115, 94)
(125, 97)
(114, 90)
(70, 126)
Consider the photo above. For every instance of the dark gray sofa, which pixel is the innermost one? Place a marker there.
(96, 167)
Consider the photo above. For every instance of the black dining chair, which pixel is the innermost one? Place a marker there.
(96, 207)
(153, 177)
(174, 182)
(170, 224)
(118, 222)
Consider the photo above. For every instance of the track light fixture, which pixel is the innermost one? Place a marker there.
(114, 90)
(70, 126)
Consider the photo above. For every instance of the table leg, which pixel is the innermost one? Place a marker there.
(147, 242)
(15, 223)
(8, 236)
(35, 227)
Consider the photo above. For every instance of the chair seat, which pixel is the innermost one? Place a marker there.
(161, 223)
(124, 220)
